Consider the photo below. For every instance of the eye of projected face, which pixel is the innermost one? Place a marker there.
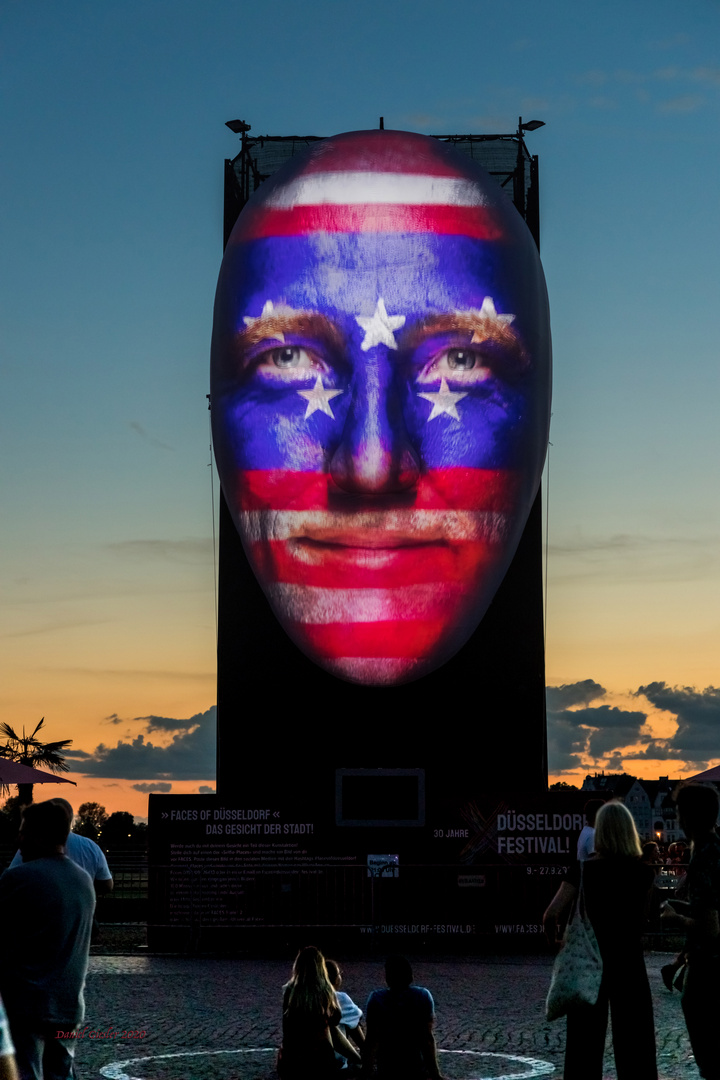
(288, 362)
(461, 358)
(460, 364)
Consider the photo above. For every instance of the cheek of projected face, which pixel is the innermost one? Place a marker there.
(368, 446)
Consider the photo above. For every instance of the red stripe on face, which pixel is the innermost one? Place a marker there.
(334, 566)
(438, 489)
(476, 222)
(404, 640)
(383, 151)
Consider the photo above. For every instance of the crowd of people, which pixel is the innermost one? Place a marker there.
(47, 902)
(617, 880)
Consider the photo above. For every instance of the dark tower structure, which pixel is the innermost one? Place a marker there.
(374, 757)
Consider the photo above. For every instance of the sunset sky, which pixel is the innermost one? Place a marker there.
(113, 140)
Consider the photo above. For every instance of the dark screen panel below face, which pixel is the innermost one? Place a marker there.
(380, 798)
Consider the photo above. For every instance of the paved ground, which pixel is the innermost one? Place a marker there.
(206, 1019)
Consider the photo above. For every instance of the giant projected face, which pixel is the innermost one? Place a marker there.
(380, 397)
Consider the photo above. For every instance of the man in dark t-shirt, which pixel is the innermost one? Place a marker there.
(698, 807)
(46, 910)
(400, 1040)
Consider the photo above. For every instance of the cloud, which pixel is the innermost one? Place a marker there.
(633, 557)
(612, 728)
(189, 550)
(161, 786)
(133, 674)
(697, 738)
(685, 103)
(113, 718)
(167, 723)
(190, 755)
(54, 627)
(79, 755)
(587, 731)
(669, 42)
(578, 693)
(205, 789)
(567, 741)
(655, 750)
(707, 75)
(140, 430)
(602, 101)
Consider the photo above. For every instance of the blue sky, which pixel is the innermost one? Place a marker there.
(113, 138)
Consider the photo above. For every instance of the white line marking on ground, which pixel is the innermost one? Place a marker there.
(115, 1070)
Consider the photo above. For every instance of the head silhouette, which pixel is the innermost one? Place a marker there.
(380, 397)
(398, 973)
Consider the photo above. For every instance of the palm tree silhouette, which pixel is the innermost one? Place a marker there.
(29, 750)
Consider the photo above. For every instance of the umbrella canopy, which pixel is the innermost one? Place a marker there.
(12, 772)
(710, 774)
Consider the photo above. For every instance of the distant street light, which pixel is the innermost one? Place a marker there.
(239, 127)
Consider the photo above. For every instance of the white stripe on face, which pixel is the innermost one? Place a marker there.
(311, 604)
(358, 188)
(374, 528)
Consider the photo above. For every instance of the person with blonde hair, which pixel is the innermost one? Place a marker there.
(311, 1015)
(616, 885)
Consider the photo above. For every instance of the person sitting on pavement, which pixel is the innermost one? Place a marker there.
(311, 1019)
(46, 910)
(399, 1042)
(351, 1014)
(8, 1068)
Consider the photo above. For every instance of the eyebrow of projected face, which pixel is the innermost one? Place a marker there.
(312, 326)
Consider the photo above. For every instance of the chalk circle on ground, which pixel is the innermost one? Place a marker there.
(530, 1068)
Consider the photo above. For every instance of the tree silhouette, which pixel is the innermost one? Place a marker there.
(91, 817)
(29, 750)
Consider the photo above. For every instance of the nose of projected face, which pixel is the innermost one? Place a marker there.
(375, 455)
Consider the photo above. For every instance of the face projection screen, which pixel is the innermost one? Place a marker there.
(380, 398)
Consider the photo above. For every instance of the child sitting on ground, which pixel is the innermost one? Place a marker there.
(351, 1014)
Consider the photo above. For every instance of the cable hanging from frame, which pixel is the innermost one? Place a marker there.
(212, 503)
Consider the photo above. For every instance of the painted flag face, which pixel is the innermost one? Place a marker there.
(380, 398)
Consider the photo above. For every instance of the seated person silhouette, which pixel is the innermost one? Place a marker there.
(351, 1014)
(399, 1041)
(311, 1019)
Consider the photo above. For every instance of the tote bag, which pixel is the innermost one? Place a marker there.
(577, 971)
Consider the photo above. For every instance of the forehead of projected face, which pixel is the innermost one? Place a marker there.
(372, 308)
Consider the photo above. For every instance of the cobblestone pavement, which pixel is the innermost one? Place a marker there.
(219, 1019)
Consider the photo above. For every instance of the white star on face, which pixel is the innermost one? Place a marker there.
(443, 401)
(267, 309)
(487, 311)
(379, 327)
(318, 399)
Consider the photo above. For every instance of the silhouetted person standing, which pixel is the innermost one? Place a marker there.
(46, 911)
(697, 807)
(586, 839)
(400, 1020)
(83, 851)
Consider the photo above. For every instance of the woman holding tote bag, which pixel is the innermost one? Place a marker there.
(616, 887)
